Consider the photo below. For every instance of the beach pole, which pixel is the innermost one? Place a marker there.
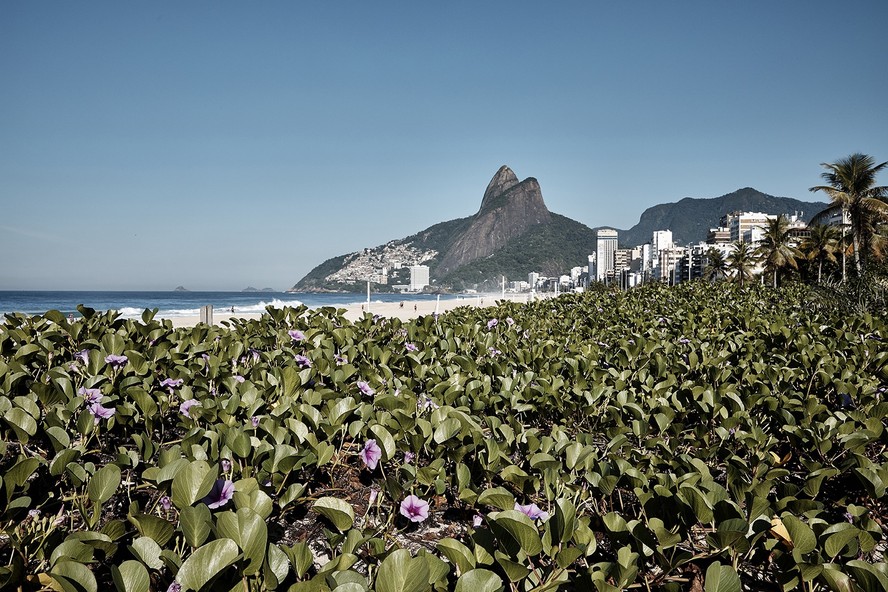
(437, 303)
(368, 295)
(206, 314)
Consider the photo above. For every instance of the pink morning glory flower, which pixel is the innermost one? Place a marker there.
(166, 503)
(239, 378)
(371, 454)
(226, 465)
(187, 405)
(90, 396)
(340, 360)
(477, 520)
(532, 511)
(411, 348)
(510, 321)
(171, 384)
(116, 361)
(366, 388)
(100, 412)
(409, 457)
(83, 356)
(303, 361)
(254, 421)
(175, 587)
(414, 508)
(296, 334)
(374, 494)
(492, 323)
(220, 495)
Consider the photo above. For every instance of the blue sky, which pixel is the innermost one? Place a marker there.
(221, 144)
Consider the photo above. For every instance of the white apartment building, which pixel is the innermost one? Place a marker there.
(661, 239)
(606, 245)
(419, 277)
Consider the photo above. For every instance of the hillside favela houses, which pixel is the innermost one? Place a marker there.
(515, 244)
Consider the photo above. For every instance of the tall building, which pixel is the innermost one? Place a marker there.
(606, 245)
(670, 260)
(717, 236)
(661, 239)
(746, 226)
(419, 277)
(533, 278)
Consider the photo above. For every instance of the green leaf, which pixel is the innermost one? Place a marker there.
(498, 497)
(131, 576)
(24, 424)
(104, 483)
(249, 531)
(479, 580)
(147, 551)
(193, 482)
(206, 563)
(457, 553)
(564, 522)
(803, 538)
(154, 528)
(721, 578)
(73, 576)
(337, 511)
(385, 440)
(195, 523)
(522, 528)
(399, 572)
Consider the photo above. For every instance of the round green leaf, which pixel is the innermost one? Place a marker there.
(400, 572)
(498, 497)
(206, 563)
(479, 580)
(131, 576)
(104, 483)
(721, 578)
(337, 511)
(522, 528)
(73, 576)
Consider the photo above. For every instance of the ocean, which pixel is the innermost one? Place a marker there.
(183, 304)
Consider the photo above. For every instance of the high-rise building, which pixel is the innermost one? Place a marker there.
(533, 278)
(606, 245)
(419, 277)
(743, 225)
(661, 239)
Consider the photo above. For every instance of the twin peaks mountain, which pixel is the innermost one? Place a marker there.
(514, 233)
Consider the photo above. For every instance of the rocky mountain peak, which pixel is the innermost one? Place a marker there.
(502, 181)
(508, 210)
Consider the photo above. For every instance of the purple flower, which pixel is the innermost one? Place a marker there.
(239, 378)
(849, 517)
(532, 511)
(100, 412)
(256, 354)
(186, 406)
(426, 404)
(226, 465)
(371, 454)
(175, 587)
(493, 352)
(83, 356)
(409, 457)
(296, 334)
(166, 503)
(414, 509)
(116, 361)
(303, 361)
(477, 520)
(34, 513)
(90, 396)
(492, 323)
(411, 348)
(510, 321)
(171, 384)
(220, 495)
(374, 493)
(684, 340)
(254, 421)
(340, 359)
(366, 388)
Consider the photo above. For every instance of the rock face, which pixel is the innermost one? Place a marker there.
(508, 210)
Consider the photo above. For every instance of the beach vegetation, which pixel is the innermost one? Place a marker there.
(708, 436)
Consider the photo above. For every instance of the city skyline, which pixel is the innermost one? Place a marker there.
(219, 145)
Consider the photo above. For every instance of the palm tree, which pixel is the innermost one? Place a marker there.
(716, 266)
(741, 260)
(851, 183)
(776, 248)
(823, 243)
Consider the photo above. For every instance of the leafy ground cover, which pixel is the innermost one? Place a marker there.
(689, 438)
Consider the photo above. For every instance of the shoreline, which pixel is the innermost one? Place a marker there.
(410, 309)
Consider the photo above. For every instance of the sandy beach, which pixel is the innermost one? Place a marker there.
(410, 310)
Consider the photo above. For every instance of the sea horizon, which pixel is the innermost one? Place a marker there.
(182, 303)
